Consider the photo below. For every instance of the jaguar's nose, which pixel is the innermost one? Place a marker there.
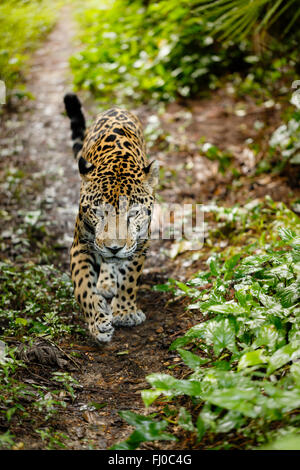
(115, 249)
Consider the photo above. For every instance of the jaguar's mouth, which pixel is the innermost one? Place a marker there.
(113, 259)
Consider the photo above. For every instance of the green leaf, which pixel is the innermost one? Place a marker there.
(200, 425)
(98, 406)
(295, 372)
(252, 358)
(163, 287)
(286, 234)
(169, 385)
(252, 264)
(229, 307)
(214, 267)
(295, 160)
(235, 398)
(243, 298)
(221, 334)
(268, 335)
(149, 396)
(191, 360)
(207, 418)
(147, 429)
(193, 333)
(185, 420)
(232, 262)
(232, 419)
(288, 442)
(21, 321)
(289, 352)
(290, 294)
(283, 400)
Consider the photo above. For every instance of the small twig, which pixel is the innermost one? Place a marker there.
(39, 377)
(10, 339)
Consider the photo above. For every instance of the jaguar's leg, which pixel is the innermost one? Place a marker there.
(85, 268)
(107, 282)
(125, 311)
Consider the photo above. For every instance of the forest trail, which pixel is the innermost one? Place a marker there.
(48, 129)
(112, 376)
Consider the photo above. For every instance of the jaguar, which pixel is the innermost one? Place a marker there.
(112, 228)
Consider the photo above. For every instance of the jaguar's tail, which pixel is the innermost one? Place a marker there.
(73, 109)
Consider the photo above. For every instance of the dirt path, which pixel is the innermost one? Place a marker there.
(113, 375)
(49, 135)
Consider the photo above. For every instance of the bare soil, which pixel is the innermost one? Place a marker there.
(114, 374)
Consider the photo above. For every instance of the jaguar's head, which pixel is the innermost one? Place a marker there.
(117, 213)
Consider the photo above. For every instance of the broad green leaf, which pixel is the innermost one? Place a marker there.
(290, 294)
(97, 405)
(243, 298)
(21, 321)
(136, 419)
(251, 265)
(232, 419)
(193, 333)
(171, 386)
(289, 352)
(185, 420)
(191, 360)
(288, 442)
(268, 335)
(229, 307)
(295, 372)
(214, 267)
(282, 271)
(294, 333)
(282, 400)
(286, 234)
(289, 236)
(295, 160)
(147, 429)
(149, 396)
(200, 279)
(207, 418)
(269, 302)
(235, 398)
(252, 358)
(232, 262)
(163, 287)
(221, 334)
(190, 291)
(200, 425)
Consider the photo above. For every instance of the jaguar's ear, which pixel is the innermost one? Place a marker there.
(85, 167)
(152, 174)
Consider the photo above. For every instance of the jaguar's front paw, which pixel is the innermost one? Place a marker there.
(105, 336)
(101, 324)
(129, 319)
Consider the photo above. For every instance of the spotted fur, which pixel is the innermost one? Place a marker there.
(113, 223)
